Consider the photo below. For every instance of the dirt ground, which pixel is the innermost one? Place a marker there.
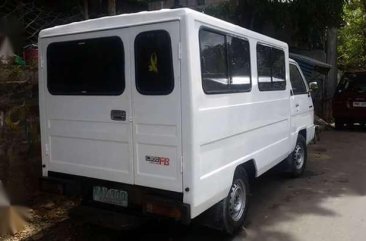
(328, 203)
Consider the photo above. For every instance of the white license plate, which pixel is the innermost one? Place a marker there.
(110, 196)
(359, 104)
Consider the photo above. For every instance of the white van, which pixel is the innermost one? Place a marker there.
(169, 112)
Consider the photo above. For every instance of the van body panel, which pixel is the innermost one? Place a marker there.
(231, 129)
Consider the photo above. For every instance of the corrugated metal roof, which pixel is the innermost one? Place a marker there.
(309, 65)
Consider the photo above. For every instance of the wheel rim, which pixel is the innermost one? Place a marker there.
(299, 157)
(237, 200)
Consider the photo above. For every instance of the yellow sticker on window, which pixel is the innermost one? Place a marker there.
(153, 66)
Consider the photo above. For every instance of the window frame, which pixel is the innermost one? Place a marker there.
(258, 82)
(81, 93)
(228, 65)
(302, 79)
(172, 86)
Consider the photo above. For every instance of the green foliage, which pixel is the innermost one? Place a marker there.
(352, 36)
(305, 20)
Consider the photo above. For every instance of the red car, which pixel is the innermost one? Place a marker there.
(349, 104)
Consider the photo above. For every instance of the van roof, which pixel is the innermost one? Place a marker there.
(146, 17)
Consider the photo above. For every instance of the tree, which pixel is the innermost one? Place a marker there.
(111, 7)
(306, 20)
(352, 36)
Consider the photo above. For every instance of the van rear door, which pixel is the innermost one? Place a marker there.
(112, 105)
(157, 107)
(86, 105)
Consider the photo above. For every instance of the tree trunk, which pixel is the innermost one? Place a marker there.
(86, 9)
(111, 7)
(331, 83)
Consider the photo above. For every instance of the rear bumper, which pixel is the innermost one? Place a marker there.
(350, 114)
(142, 201)
(105, 218)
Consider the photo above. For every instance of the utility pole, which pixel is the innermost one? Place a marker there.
(331, 82)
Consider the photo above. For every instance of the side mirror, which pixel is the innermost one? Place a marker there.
(313, 86)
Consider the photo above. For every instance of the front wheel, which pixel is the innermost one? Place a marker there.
(235, 205)
(297, 160)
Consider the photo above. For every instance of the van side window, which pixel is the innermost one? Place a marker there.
(86, 67)
(214, 68)
(239, 63)
(271, 68)
(297, 82)
(154, 63)
(225, 63)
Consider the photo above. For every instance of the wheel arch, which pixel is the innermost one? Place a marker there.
(250, 168)
(303, 133)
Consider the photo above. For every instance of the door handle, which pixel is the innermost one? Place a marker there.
(118, 115)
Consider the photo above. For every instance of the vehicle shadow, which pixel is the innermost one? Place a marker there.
(335, 169)
(353, 128)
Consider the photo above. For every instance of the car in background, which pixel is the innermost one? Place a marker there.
(349, 104)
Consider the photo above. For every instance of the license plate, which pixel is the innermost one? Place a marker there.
(110, 196)
(359, 104)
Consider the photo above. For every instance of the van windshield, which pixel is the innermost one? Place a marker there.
(353, 82)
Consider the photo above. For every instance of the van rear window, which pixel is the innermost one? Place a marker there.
(353, 82)
(154, 63)
(86, 67)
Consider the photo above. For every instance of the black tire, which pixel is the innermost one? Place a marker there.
(234, 223)
(296, 167)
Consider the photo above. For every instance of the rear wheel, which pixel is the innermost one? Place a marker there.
(235, 205)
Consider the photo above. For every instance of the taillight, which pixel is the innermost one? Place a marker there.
(163, 209)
